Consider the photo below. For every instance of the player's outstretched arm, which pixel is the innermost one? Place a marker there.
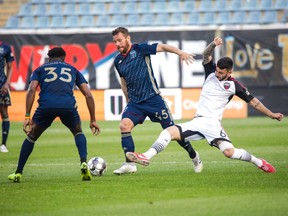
(207, 53)
(255, 103)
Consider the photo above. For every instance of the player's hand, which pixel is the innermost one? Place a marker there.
(277, 116)
(95, 128)
(27, 126)
(4, 89)
(188, 58)
(218, 41)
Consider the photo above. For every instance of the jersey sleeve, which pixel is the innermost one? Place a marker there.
(9, 56)
(209, 68)
(242, 92)
(80, 78)
(147, 49)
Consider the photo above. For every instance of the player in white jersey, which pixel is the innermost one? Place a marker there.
(218, 89)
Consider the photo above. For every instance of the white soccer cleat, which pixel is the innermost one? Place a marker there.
(138, 158)
(3, 148)
(126, 168)
(197, 163)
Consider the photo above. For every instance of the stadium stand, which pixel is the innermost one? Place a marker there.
(146, 13)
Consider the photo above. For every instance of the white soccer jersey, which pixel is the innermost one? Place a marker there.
(215, 94)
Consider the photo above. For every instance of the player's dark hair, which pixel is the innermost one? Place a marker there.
(57, 52)
(123, 30)
(225, 63)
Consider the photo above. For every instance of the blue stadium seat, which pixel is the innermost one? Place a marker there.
(144, 7)
(235, 5)
(86, 21)
(161, 20)
(188, 6)
(98, 8)
(130, 8)
(220, 5)
(254, 17)
(281, 4)
(250, 5)
(207, 18)
(147, 19)
(117, 20)
(173, 6)
(71, 21)
(159, 7)
(84, 9)
(266, 4)
(27, 22)
(193, 19)
(38, 1)
(12, 22)
(69, 9)
(176, 19)
(102, 21)
(115, 8)
(54, 9)
(133, 20)
(205, 5)
(238, 17)
(223, 18)
(42, 22)
(39, 10)
(26, 10)
(270, 17)
(57, 22)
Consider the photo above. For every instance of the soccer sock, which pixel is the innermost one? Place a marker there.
(241, 154)
(127, 143)
(159, 145)
(26, 150)
(188, 147)
(81, 144)
(256, 161)
(5, 130)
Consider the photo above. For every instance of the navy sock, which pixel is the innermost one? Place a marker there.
(26, 149)
(127, 143)
(81, 144)
(5, 131)
(188, 147)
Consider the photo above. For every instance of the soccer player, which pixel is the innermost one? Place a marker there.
(218, 89)
(56, 80)
(6, 58)
(142, 94)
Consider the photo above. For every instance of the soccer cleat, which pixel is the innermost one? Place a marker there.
(15, 177)
(138, 158)
(266, 167)
(126, 168)
(85, 172)
(197, 163)
(3, 148)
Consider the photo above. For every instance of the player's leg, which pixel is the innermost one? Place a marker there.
(71, 119)
(241, 154)
(5, 127)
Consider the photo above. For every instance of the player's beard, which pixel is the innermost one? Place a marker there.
(125, 48)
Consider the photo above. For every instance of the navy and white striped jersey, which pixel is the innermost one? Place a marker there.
(6, 56)
(57, 80)
(136, 69)
(215, 94)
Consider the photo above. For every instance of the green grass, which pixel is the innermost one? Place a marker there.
(51, 182)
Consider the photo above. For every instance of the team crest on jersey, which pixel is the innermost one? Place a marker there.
(133, 54)
(227, 85)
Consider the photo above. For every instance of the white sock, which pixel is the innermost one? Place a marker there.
(159, 145)
(256, 161)
(241, 154)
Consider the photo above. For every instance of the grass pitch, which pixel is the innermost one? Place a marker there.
(51, 183)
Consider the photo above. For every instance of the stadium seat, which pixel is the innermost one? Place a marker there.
(176, 19)
(188, 6)
(133, 20)
(223, 18)
(266, 4)
(12, 22)
(115, 8)
(86, 21)
(281, 4)
(250, 5)
(27, 22)
(26, 10)
(117, 20)
(98, 8)
(220, 5)
(254, 17)
(269, 17)
(235, 5)
(69, 9)
(84, 9)
(207, 18)
(173, 6)
(54, 9)
(147, 19)
(42, 22)
(39, 10)
(193, 19)
(144, 7)
(71, 22)
(161, 20)
(205, 5)
(238, 17)
(130, 8)
(103, 21)
(159, 7)
(57, 22)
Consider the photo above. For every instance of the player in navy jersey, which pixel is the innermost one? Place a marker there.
(56, 80)
(142, 94)
(218, 89)
(6, 58)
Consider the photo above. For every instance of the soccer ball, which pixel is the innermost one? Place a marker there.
(97, 166)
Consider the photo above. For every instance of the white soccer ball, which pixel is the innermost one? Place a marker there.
(97, 166)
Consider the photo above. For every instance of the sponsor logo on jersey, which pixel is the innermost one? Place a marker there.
(133, 54)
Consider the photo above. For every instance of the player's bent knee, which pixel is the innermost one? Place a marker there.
(227, 148)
